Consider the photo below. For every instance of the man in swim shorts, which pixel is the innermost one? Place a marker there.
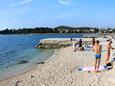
(97, 49)
(108, 50)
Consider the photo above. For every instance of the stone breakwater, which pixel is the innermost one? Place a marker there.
(60, 42)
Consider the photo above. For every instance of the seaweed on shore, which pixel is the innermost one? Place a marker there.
(23, 62)
(40, 63)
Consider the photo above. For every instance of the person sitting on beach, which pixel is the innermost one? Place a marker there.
(80, 45)
(108, 50)
(71, 39)
(93, 41)
(97, 49)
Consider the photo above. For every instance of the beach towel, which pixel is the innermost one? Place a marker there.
(101, 68)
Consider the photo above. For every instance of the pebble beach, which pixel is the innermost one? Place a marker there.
(61, 70)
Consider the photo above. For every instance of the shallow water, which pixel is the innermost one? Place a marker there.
(18, 52)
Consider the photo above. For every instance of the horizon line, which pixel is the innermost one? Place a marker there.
(57, 26)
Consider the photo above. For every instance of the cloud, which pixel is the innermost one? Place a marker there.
(64, 2)
(23, 2)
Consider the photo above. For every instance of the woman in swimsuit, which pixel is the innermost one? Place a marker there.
(108, 51)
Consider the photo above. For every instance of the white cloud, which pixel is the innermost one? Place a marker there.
(22, 2)
(65, 2)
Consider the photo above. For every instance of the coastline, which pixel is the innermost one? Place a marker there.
(26, 68)
(53, 56)
(59, 70)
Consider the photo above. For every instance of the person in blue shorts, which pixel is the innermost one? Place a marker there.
(97, 49)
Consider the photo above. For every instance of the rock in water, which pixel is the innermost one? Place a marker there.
(23, 62)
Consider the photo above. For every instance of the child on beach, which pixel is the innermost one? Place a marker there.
(97, 49)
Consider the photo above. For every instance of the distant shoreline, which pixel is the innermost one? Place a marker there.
(59, 29)
(55, 33)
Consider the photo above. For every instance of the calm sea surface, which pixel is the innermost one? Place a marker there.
(18, 52)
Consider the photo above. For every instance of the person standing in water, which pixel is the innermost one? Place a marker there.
(108, 51)
(97, 49)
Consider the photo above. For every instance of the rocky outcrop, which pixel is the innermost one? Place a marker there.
(54, 43)
(57, 43)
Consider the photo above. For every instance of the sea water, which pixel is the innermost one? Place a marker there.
(17, 52)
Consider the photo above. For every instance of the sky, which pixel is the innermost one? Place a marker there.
(16, 14)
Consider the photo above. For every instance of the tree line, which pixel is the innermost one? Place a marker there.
(59, 29)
